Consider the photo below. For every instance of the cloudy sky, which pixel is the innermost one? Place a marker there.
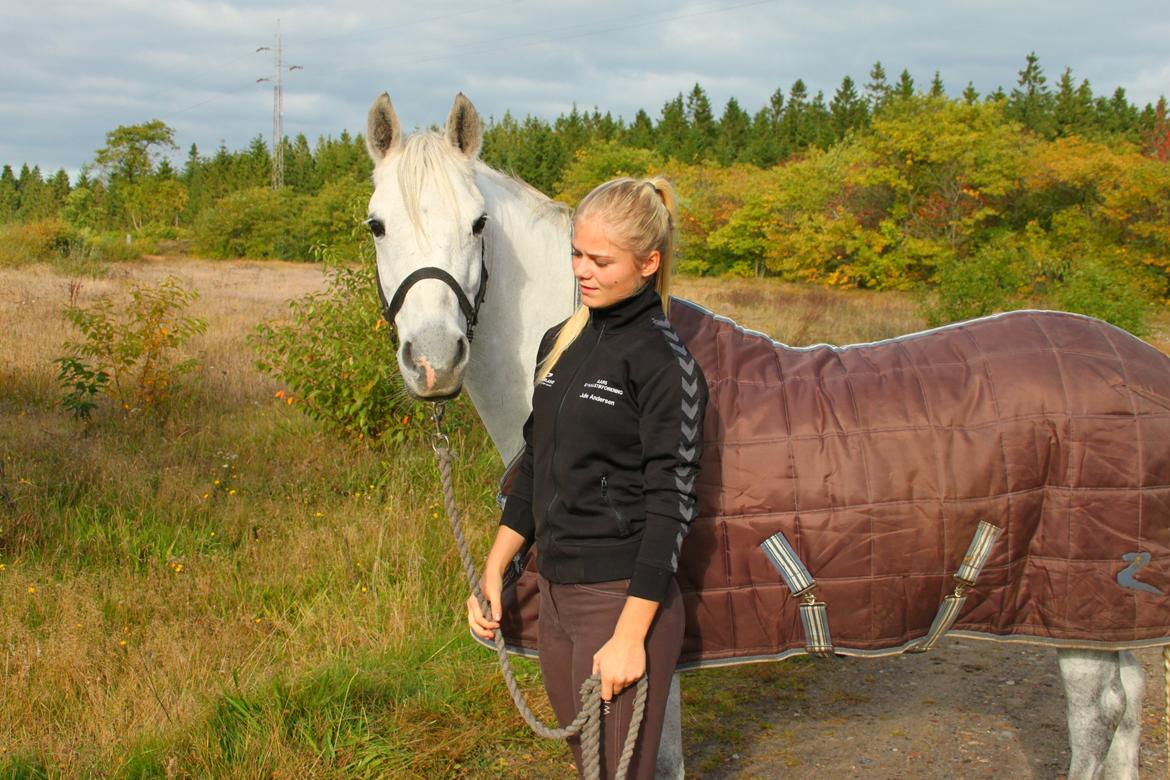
(70, 70)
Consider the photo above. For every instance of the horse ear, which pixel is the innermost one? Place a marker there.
(383, 133)
(464, 128)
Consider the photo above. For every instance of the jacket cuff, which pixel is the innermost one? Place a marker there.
(650, 582)
(517, 515)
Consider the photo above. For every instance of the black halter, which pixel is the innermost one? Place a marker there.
(470, 310)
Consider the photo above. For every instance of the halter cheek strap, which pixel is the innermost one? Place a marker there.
(470, 309)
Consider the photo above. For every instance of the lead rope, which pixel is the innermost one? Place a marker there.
(1166, 682)
(587, 724)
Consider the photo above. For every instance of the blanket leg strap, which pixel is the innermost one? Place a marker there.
(948, 611)
(814, 615)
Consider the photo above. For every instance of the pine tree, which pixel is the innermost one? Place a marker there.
(640, 133)
(970, 94)
(766, 144)
(1122, 116)
(905, 86)
(795, 125)
(820, 122)
(1072, 107)
(670, 134)
(1156, 138)
(701, 138)
(936, 86)
(9, 198)
(1031, 102)
(877, 89)
(59, 188)
(847, 109)
(734, 127)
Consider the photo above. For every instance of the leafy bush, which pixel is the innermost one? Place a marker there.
(987, 282)
(258, 223)
(338, 357)
(34, 242)
(1101, 290)
(128, 356)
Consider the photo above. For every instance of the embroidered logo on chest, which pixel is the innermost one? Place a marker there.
(602, 392)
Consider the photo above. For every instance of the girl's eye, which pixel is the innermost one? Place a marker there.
(377, 227)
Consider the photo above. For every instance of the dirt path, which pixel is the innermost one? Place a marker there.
(967, 710)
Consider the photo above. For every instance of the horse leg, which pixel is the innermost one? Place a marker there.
(1096, 706)
(1122, 761)
(670, 755)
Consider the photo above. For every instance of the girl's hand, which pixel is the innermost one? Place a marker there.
(621, 662)
(506, 545)
(492, 585)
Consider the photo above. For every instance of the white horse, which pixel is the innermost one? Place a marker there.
(442, 219)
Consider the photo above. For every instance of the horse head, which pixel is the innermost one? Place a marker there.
(428, 221)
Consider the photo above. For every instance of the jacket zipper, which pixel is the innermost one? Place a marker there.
(557, 419)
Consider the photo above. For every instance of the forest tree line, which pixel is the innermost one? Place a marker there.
(1046, 189)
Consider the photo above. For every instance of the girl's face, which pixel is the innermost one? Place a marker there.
(606, 272)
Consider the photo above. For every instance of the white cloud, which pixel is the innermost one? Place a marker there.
(75, 69)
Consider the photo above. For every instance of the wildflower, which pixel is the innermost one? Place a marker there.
(279, 394)
(32, 588)
(121, 642)
(213, 533)
(2, 567)
(216, 482)
(259, 619)
(205, 495)
(364, 588)
(178, 568)
(232, 492)
(320, 514)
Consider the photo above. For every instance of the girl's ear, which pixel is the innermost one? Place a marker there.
(650, 267)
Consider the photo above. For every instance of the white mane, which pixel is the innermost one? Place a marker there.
(427, 159)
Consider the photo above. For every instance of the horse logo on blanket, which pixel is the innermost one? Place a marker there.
(1006, 477)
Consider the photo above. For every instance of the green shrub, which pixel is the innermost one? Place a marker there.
(338, 357)
(987, 282)
(258, 223)
(1105, 291)
(129, 356)
(34, 242)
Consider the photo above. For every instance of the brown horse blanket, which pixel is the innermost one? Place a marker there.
(874, 464)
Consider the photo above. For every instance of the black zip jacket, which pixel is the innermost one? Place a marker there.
(606, 483)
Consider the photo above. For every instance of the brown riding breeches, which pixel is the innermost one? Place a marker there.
(575, 621)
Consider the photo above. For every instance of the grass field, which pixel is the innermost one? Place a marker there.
(235, 593)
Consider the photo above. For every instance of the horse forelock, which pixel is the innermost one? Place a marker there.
(428, 161)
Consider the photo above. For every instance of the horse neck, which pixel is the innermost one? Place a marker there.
(530, 289)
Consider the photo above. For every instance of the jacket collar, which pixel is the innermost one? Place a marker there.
(627, 310)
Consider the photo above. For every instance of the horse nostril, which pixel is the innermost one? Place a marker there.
(406, 356)
(460, 350)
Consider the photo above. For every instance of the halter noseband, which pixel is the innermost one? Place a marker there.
(470, 310)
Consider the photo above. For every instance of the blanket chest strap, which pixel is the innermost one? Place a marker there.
(948, 612)
(814, 615)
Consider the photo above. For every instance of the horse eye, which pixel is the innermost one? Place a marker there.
(377, 227)
(478, 226)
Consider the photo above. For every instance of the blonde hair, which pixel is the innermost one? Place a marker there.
(641, 216)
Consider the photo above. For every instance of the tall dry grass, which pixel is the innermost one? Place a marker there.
(232, 592)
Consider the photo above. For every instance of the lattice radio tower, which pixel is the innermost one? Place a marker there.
(277, 106)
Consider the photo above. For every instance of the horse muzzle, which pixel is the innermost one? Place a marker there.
(432, 369)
